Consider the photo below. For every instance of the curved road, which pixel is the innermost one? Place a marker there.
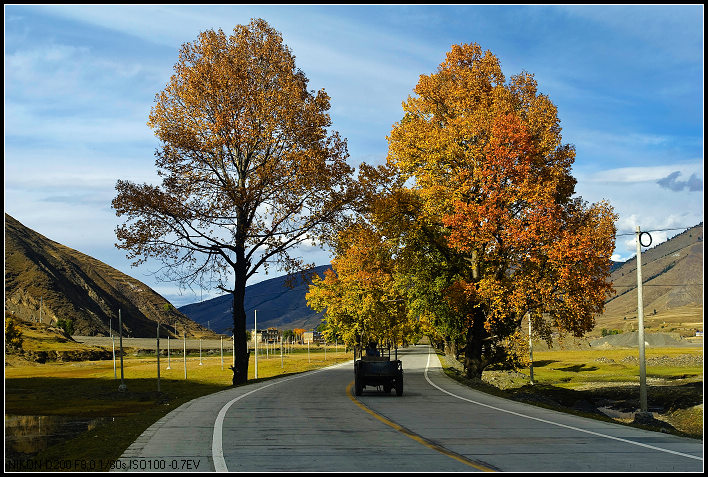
(313, 422)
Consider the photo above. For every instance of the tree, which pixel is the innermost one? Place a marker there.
(360, 293)
(298, 333)
(67, 325)
(497, 209)
(249, 169)
(13, 333)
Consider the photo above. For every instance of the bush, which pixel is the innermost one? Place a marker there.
(13, 335)
(66, 325)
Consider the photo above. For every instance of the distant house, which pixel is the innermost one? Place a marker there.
(312, 337)
(271, 335)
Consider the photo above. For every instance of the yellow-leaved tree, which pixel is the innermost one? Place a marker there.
(360, 293)
(248, 164)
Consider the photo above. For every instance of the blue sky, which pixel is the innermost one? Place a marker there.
(80, 82)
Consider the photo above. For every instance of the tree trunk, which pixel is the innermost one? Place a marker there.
(475, 362)
(450, 347)
(240, 367)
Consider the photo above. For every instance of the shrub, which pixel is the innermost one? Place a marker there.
(13, 335)
(66, 325)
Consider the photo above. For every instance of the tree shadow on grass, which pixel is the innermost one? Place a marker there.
(544, 362)
(578, 368)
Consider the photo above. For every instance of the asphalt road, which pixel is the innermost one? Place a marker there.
(313, 422)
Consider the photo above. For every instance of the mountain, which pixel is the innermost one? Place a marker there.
(71, 285)
(672, 284)
(278, 305)
(673, 293)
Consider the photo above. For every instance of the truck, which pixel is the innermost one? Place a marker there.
(378, 371)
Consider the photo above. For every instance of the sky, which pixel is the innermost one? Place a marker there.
(80, 81)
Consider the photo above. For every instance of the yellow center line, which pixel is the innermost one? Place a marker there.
(414, 436)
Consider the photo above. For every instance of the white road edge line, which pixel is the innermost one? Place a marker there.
(217, 448)
(551, 422)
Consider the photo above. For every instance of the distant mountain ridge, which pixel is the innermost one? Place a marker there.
(672, 277)
(672, 274)
(276, 304)
(71, 285)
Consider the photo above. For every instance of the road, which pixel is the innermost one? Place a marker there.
(313, 422)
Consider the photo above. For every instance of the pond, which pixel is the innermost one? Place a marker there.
(26, 436)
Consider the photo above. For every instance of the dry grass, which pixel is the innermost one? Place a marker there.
(88, 388)
(683, 321)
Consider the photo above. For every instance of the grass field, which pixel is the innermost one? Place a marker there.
(89, 389)
(585, 381)
(572, 369)
(563, 378)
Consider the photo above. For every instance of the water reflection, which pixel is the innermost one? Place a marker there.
(25, 436)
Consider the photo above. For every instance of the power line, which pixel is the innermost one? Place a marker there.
(655, 230)
(667, 285)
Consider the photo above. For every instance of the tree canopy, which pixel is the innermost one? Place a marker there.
(479, 226)
(249, 168)
(359, 293)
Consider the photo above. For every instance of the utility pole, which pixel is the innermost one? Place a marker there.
(158, 357)
(113, 340)
(530, 349)
(255, 339)
(122, 386)
(640, 315)
(185, 354)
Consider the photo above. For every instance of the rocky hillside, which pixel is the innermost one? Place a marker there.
(672, 276)
(47, 280)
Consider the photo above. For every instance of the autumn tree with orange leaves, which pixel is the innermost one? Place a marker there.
(298, 333)
(249, 169)
(498, 233)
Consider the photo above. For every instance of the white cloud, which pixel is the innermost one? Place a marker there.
(77, 98)
(640, 174)
(639, 200)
